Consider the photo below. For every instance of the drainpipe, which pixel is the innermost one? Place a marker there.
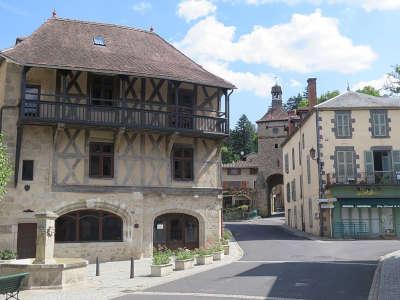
(321, 221)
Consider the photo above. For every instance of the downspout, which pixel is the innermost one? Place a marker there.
(321, 221)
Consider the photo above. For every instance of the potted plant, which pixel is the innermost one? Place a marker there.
(225, 241)
(6, 255)
(161, 265)
(218, 251)
(184, 259)
(204, 256)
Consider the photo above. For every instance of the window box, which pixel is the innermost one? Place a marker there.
(184, 264)
(161, 270)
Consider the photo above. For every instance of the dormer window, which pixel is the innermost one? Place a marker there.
(99, 40)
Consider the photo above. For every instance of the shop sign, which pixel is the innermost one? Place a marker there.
(327, 206)
(327, 200)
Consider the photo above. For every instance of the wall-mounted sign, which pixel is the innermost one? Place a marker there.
(327, 200)
(160, 226)
(327, 206)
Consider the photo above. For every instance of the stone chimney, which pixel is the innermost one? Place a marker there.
(312, 92)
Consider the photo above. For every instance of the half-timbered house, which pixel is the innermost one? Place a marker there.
(118, 133)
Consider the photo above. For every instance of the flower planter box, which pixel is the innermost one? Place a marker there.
(218, 255)
(226, 249)
(184, 264)
(5, 261)
(161, 270)
(205, 259)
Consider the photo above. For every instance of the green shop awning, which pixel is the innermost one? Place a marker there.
(369, 202)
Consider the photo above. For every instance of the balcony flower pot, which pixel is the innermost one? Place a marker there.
(218, 255)
(184, 264)
(226, 249)
(161, 270)
(206, 259)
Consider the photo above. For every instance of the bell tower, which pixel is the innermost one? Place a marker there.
(276, 92)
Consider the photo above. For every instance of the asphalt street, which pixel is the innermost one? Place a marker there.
(279, 265)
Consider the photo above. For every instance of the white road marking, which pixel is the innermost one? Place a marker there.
(305, 261)
(207, 295)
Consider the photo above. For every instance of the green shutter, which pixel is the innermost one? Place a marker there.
(396, 160)
(369, 166)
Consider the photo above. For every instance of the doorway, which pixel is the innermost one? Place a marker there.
(26, 240)
(176, 231)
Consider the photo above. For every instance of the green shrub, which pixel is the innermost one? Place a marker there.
(217, 248)
(7, 254)
(205, 252)
(183, 254)
(161, 258)
(227, 235)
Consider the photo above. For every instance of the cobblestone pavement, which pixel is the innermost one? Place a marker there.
(386, 284)
(114, 280)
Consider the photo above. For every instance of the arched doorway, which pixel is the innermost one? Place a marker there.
(174, 230)
(275, 195)
(88, 226)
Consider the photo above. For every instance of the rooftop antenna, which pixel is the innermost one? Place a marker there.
(54, 13)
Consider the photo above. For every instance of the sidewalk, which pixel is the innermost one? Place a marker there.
(386, 282)
(114, 279)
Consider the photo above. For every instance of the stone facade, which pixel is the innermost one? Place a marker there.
(141, 189)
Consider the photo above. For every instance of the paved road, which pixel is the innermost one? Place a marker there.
(280, 265)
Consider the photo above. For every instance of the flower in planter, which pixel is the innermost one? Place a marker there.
(183, 254)
(162, 257)
(205, 252)
(217, 248)
(7, 254)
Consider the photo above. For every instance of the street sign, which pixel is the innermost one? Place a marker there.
(327, 200)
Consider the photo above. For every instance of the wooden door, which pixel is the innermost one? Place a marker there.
(26, 240)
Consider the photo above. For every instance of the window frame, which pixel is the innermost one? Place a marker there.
(23, 176)
(343, 130)
(182, 159)
(288, 192)
(230, 171)
(382, 123)
(346, 164)
(101, 155)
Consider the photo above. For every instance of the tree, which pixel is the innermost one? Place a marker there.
(293, 102)
(5, 167)
(369, 90)
(328, 95)
(393, 85)
(243, 138)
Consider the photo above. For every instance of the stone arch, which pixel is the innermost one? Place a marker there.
(97, 204)
(200, 218)
(272, 181)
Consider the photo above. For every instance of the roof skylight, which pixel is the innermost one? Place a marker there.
(99, 40)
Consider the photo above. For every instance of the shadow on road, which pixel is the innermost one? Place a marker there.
(265, 232)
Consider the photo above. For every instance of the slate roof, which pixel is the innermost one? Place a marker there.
(352, 99)
(275, 114)
(68, 44)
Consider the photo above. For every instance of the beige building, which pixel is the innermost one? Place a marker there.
(238, 181)
(342, 168)
(115, 131)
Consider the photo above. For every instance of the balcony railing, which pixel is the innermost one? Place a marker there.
(148, 116)
(366, 178)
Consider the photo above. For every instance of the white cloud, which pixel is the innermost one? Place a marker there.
(378, 84)
(193, 9)
(368, 5)
(308, 43)
(142, 6)
(259, 84)
(294, 83)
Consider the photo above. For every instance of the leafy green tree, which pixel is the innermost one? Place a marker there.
(243, 138)
(393, 86)
(328, 95)
(293, 102)
(369, 90)
(5, 167)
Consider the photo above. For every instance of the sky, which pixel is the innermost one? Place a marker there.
(251, 43)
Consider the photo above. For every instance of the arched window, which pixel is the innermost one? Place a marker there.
(88, 226)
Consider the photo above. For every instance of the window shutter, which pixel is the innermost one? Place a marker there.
(396, 160)
(369, 166)
(349, 165)
(341, 171)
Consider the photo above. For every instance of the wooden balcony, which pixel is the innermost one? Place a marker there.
(117, 114)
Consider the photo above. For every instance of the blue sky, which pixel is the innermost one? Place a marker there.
(249, 42)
